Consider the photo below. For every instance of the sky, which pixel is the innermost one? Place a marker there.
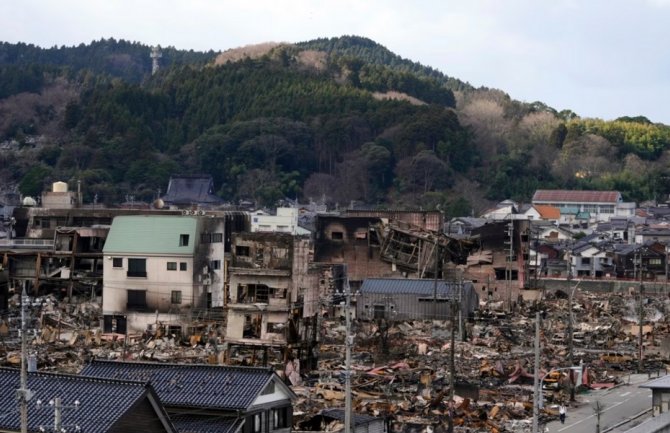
(599, 58)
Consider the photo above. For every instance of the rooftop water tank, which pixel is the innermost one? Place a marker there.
(29, 201)
(59, 187)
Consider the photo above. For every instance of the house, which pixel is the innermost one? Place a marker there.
(189, 191)
(413, 299)
(639, 261)
(505, 210)
(592, 257)
(543, 212)
(160, 269)
(600, 205)
(619, 229)
(463, 226)
(653, 232)
(103, 405)
(205, 398)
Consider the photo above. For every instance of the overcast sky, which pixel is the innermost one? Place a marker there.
(600, 58)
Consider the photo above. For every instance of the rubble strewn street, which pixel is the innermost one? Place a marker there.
(406, 381)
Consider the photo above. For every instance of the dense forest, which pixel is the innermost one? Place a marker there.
(330, 120)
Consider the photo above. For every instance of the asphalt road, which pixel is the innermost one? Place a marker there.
(618, 404)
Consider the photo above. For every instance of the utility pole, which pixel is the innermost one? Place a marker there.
(508, 268)
(23, 394)
(452, 364)
(536, 391)
(348, 341)
(641, 319)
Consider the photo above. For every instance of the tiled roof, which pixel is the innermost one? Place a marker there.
(408, 286)
(548, 212)
(186, 423)
(191, 385)
(95, 412)
(567, 196)
(151, 234)
(191, 190)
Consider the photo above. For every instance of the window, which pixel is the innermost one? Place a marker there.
(280, 418)
(176, 297)
(183, 266)
(171, 266)
(137, 267)
(586, 260)
(215, 264)
(137, 300)
(337, 236)
(183, 240)
(206, 238)
(242, 251)
(270, 389)
(655, 261)
(217, 238)
(117, 262)
(257, 423)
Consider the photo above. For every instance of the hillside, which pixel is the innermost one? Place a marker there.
(337, 119)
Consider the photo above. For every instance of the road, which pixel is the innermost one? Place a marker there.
(619, 404)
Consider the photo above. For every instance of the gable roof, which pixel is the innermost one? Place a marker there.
(548, 212)
(95, 413)
(568, 196)
(187, 423)
(190, 190)
(409, 286)
(151, 234)
(194, 385)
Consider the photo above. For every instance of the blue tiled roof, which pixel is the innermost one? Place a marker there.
(191, 385)
(407, 286)
(95, 412)
(186, 423)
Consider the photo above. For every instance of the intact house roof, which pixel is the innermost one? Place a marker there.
(95, 412)
(188, 423)
(195, 385)
(151, 234)
(548, 212)
(567, 196)
(187, 190)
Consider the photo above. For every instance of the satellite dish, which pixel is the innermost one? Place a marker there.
(29, 201)
(159, 203)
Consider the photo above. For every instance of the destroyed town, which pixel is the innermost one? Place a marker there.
(187, 315)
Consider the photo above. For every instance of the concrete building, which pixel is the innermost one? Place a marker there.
(600, 205)
(285, 221)
(158, 269)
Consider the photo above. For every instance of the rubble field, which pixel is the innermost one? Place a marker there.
(401, 370)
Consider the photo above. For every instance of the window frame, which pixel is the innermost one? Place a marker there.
(171, 266)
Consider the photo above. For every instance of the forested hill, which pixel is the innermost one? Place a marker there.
(332, 119)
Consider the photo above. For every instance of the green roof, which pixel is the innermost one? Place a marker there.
(150, 234)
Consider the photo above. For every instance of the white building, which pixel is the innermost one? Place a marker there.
(286, 221)
(599, 205)
(158, 269)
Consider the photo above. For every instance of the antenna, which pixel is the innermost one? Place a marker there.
(155, 56)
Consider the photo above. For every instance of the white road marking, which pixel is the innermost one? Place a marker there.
(591, 416)
(624, 394)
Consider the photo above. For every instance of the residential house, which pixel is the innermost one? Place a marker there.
(543, 212)
(592, 257)
(463, 226)
(205, 398)
(619, 229)
(91, 405)
(504, 210)
(653, 233)
(639, 261)
(160, 269)
(413, 299)
(600, 205)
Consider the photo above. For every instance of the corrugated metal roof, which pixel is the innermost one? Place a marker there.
(192, 385)
(407, 286)
(102, 402)
(567, 196)
(150, 234)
